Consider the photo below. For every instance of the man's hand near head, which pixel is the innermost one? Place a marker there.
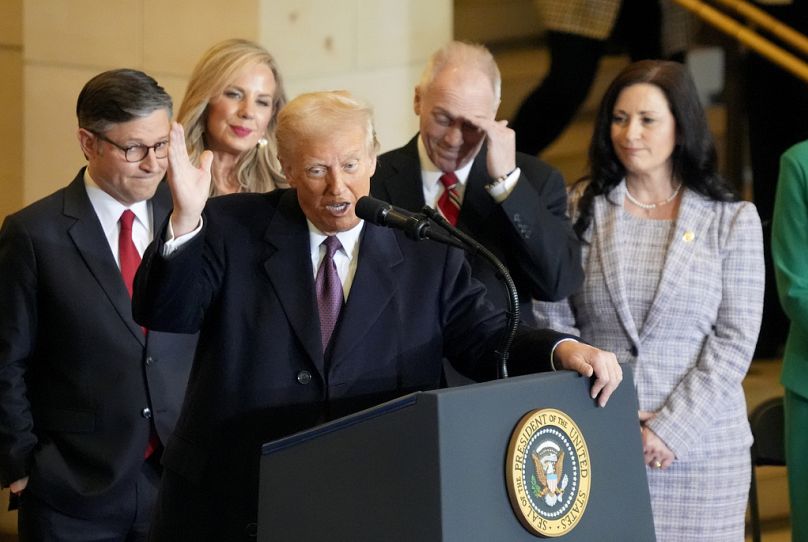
(500, 144)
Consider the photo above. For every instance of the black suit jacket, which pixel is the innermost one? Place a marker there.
(246, 281)
(529, 232)
(76, 371)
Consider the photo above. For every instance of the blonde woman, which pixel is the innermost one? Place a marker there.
(230, 108)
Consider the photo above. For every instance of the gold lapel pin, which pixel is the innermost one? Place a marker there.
(688, 236)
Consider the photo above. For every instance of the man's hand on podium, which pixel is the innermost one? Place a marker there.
(588, 360)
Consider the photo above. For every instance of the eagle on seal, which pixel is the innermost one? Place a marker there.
(549, 473)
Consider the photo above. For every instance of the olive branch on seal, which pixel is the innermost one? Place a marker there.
(534, 486)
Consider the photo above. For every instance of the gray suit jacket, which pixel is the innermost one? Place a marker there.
(692, 352)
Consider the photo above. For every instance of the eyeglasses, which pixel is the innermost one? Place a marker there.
(136, 153)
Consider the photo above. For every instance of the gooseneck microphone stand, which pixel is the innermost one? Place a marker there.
(474, 247)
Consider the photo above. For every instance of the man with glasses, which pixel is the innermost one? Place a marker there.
(87, 396)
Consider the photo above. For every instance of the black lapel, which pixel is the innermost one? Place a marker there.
(404, 184)
(289, 269)
(373, 287)
(88, 236)
(478, 205)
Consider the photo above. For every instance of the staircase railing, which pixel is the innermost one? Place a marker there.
(752, 39)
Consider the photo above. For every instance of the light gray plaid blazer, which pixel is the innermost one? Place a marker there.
(691, 354)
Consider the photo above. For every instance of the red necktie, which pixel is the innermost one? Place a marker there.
(449, 201)
(130, 260)
(329, 291)
(127, 252)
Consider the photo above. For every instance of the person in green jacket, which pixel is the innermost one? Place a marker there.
(790, 255)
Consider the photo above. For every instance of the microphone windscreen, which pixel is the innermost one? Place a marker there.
(371, 209)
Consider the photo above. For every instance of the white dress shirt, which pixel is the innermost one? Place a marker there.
(109, 210)
(346, 259)
(433, 189)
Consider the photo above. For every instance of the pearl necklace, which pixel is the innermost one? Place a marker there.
(650, 206)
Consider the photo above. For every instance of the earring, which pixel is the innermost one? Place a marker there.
(262, 143)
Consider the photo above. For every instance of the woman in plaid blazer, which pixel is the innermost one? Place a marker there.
(673, 285)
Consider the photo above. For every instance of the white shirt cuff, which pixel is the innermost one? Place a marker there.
(500, 190)
(173, 244)
(552, 352)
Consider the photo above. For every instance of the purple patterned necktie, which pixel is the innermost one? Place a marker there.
(329, 290)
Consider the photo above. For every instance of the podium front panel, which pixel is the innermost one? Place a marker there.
(432, 467)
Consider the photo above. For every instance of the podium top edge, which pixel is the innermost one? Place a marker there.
(339, 424)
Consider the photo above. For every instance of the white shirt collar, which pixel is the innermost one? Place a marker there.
(349, 239)
(430, 174)
(109, 210)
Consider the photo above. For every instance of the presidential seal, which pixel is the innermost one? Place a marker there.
(548, 472)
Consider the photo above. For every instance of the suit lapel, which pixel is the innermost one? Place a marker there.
(289, 268)
(373, 287)
(161, 205)
(405, 186)
(88, 237)
(607, 221)
(477, 205)
(691, 225)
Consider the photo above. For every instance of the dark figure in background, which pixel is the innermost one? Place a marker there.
(579, 33)
(777, 106)
(87, 396)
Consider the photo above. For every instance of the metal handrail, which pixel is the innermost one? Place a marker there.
(768, 23)
(750, 38)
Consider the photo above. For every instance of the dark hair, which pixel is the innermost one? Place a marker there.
(118, 96)
(693, 158)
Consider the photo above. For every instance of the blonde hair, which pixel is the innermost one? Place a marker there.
(257, 170)
(319, 114)
(467, 55)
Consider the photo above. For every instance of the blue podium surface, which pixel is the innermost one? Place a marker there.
(438, 466)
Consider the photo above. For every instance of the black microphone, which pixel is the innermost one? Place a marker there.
(382, 213)
(415, 225)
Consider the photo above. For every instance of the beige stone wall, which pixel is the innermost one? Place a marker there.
(50, 48)
(491, 22)
(11, 126)
(375, 48)
(66, 43)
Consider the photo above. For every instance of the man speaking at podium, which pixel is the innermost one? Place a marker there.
(307, 313)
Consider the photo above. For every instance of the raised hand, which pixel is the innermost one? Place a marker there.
(190, 185)
(501, 145)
